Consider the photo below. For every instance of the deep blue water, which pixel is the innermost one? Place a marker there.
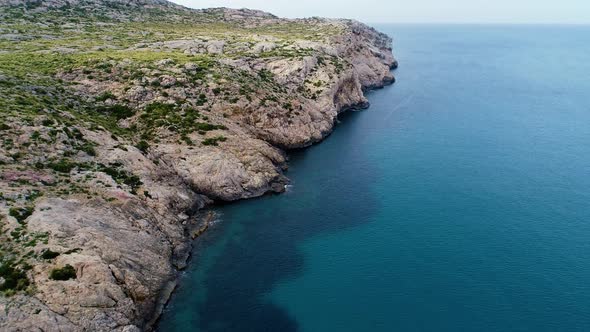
(458, 202)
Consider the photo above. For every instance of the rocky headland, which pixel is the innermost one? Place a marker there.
(121, 120)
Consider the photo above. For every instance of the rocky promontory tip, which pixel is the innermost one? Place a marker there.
(121, 120)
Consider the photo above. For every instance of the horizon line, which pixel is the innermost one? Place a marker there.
(478, 23)
(582, 23)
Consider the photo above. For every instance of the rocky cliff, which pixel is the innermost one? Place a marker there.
(120, 120)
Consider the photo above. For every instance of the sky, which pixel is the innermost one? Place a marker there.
(419, 11)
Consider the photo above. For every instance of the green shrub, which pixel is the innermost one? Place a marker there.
(117, 111)
(49, 254)
(14, 277)
(202, 99)
(21, 214)
(158, 107)
(33, 195)
(143, 146)
(121, 176)
(105, 96)
(134, 182)
(175, 119)
(214, 141)
(63, 166)
(77, 134)
(65, 273)
(265, 75)
(89, 149)
(47, 122)
(186, 139)
(71, 251)
(203, 126)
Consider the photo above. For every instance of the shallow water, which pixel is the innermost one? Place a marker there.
(458, 201)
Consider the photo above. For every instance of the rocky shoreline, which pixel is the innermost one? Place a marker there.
(112, 149)
(208, 218)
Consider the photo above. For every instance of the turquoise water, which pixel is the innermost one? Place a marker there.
(458, 202)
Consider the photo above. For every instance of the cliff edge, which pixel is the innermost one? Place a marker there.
(120, 120)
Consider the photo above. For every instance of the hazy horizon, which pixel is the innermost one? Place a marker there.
(421, 11)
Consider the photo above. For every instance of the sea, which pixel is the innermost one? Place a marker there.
(459, 201)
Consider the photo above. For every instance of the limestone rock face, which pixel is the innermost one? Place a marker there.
(199, 116)
(371, 60)
(245, 168)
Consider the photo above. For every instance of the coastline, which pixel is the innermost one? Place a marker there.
(163, 129)
(171, 286)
